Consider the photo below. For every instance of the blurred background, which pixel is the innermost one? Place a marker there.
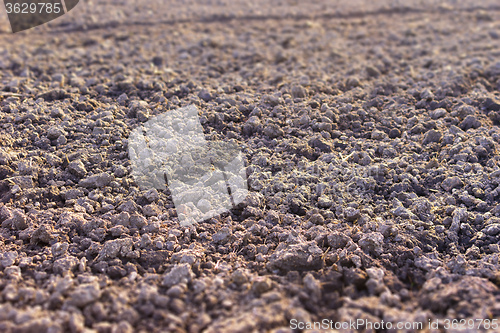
(91, 14)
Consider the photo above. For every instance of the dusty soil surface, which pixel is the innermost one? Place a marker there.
(371, 137)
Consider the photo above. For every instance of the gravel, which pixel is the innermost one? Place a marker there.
(369, 133)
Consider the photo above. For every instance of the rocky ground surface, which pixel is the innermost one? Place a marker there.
(371, 139)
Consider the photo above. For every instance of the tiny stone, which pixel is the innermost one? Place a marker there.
(152, 195)
(305, 120)
(122, 99)
(180, 273)
(312, 285)
(59, 249)
(317, 219)
(138, 221)
(114, 248)
(324, 201)
(157, 61)
(432, 136)
(61, 140)
(128, 206)
(17, 221)
(177, 291)
(438, 113)
(492, 230)
(253, 121)
(120, 171)
(65, 264)
(151, 210)
(372, 71)
(394, 133)
(56, 113)
(59, 78)
(205, 95)
(42, 234)
(470, 122)
(352, 82)
(351, 214)
(426, 94)
(222, 236)
(261, 285)
(143, 115)
(297, 257)
(239, 277)
(77, 168)
(118, 230)
(299, 92)
(54, 132)
(372, 242)
(84, 294)
(378, 135)
(273, 131)
(321, 144)
(8, 258)
(99, 180)
(450, 183)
